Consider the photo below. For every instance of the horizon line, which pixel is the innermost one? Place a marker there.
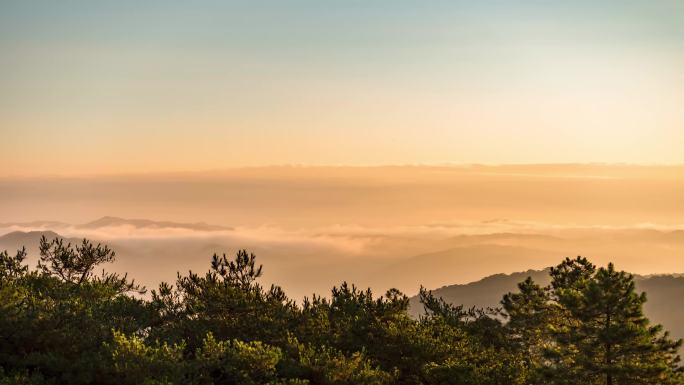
(86, 175)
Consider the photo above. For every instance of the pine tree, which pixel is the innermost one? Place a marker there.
(603, 336)
(529, 314)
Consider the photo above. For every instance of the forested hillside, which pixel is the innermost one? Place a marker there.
(67, 321)
(665, 304)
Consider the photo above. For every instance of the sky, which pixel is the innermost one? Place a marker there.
(89, 87)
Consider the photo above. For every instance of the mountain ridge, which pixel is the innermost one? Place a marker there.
(664, 304)
(108, 221)
(113, 221)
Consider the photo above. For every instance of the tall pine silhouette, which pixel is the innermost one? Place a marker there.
(603, 336)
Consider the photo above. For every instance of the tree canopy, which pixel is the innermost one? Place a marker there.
(60, 323)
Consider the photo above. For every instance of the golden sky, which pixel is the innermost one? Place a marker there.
(91, 88)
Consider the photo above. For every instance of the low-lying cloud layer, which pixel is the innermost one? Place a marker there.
(403, 226)
(315, 259)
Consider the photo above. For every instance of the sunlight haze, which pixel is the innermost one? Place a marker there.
(96, 87)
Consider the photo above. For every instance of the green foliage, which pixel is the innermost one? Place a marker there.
(226, 301)
(235, 362)
(135, 362)
(589, 326)
(603, 335)
(62, 324)
(76, 264)
(12, 267)
(529, 316)
(55, 327)
(327, 366)
(69, 263)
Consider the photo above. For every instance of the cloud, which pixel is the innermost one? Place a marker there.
(345, 240)
(261, 235)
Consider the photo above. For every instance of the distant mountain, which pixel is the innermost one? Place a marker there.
(108, 221)
(468, 262)
(484, 293)
(25, 237)
(146, 223)
(31, 240)
(665, 303)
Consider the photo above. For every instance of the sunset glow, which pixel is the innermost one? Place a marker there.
(91, 87)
